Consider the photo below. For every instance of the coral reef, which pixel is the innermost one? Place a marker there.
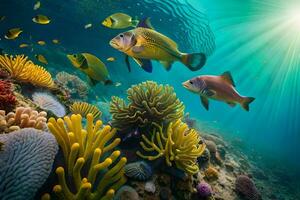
(178, 144)
(23, 70)
(88, 149)
(245, 187)
(139, 170)
(204, 190)
(25, 162)
(73, 84)
(84, 108)
(148, 103)
(48, 102)
(7, 97)
(126, 192)
(22, 118)
(211, 173)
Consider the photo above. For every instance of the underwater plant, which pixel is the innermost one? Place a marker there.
(22, 118)
(48, 102)
(84, 108)
(90, 149)
(25, 162)
(7, 97)
(23, 70)
(178, 144)
(73, 84)
(149, 103)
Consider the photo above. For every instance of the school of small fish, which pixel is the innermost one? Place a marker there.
(143, 44)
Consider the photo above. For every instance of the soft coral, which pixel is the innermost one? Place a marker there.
(7, 97)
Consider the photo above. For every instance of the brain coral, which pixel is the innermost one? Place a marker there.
(245, 187)
(25, 162)
(7, 97)
(139, 170)
(148, 103)
(23, 70)
(48, 102)
(22, 118)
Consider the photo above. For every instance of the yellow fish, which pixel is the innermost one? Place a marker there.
(41, 19)
(41, 42)
(119, 21)
(55, 41)
(13, 33)
(144, 44)
(92, 66)
(37, 5)
(23, 45)
(41, 58)
(111, 59)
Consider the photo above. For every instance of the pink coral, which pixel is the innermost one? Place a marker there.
(7, 97)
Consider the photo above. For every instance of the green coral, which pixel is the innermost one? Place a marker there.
(148, 103)
(177, 144)
(90, 149)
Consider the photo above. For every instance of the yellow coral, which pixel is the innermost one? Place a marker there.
(24, 70)
(179, 144)
(87, 148)
(84, 108)
(149, 103)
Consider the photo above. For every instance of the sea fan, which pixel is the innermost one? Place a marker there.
(84, 108)
(47, 102)
(25, 162)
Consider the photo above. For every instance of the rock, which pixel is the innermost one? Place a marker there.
(125, 193)
(246, 188)
(222, 151)
(165, 193)
(211, 174)
(150, 187)
(164, 180)
(204, 159)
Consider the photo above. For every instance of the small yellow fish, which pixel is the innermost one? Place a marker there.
(41, 42)
(92, 66)
(13, 33)
(55, 41)
(23, 45)
(41, 58)
(37, 5)
(88, 26)
(41, 19)
(111, 59)
(119, 21)
(2, 18)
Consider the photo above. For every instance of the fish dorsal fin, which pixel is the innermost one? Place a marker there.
(228, 78)
(145, 23)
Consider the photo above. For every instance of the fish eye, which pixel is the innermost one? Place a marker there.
(121, 35)
(191, 82)
(74, 55)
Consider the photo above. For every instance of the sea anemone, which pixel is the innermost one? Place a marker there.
(48, 102)
(139, 170)
(149, 103)
(204, 189)
(7, 97)
(84, 108)
(23, 70)
(25, 162)
(245, 187)
(177, 144)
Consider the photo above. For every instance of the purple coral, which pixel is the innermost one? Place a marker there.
(204, 189)
(245, 187)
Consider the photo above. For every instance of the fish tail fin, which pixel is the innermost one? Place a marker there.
(108, 82)
(194, 61)
(246, 101)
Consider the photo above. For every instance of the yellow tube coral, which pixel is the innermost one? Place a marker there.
(24, 70)
(84, 108)
(87, 148)
(178, 144)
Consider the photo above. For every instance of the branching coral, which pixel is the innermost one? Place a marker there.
(84, 108)
(73, 84)
(7, 97)
(149, 103)
(25, 162)
(87, 148)
(22, 118)
(178, 144)
(24, 70)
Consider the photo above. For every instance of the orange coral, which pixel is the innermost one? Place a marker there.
(24, 70)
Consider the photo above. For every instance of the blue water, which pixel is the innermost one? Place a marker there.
(255, 40)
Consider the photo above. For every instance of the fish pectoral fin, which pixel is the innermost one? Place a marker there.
(204, 101)
(209, 92)
(144, 63)
(138, 49)
(232, 104)
(226, 76)
(167, 65)
(127, 63)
